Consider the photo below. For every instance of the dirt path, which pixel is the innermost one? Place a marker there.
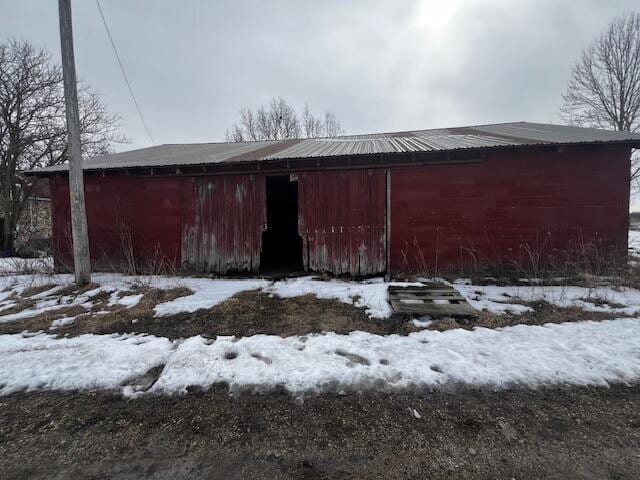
(580, 433)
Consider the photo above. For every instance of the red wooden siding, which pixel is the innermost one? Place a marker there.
(224, 217)
(507, 206)
(342, 221)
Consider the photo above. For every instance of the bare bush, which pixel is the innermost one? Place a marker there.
(26, 266)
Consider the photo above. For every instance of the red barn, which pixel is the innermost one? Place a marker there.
(426, 201)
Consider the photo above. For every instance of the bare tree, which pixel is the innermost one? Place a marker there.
(280, 121)
(327, 126)
(604, 88)
(32, 125)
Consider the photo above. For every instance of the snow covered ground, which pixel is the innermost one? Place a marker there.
(370, 295)
(614, 300)
(36, 362)
(634, 242)
(578, 353)
(17, 265)
(585, 353)
(207, 292)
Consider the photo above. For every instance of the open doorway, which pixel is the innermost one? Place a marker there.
(281, 243)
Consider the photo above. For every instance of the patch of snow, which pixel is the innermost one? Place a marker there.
(207, 293)
(371, 294)
(130, 300)
(6, 293)
(581, 353)
(48, 292)
(599, 299)
(61, 322)
(422, 322)
(40, 307)
(49, 303)
(634, 242)
(94, 292)
(6, 305)
(587, 353)
(44, 362)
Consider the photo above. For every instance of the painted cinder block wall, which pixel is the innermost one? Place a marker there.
(502, 208)
(513, 205)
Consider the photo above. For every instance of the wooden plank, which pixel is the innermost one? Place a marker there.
(432, 299)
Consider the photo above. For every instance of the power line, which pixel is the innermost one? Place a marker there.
(124, 74)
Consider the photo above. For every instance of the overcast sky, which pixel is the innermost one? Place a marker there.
(379, 65)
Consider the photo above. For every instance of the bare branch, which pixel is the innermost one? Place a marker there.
(33, 130)
(280, 121)
(604, 88)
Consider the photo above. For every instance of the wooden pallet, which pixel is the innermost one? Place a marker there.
(433, 299)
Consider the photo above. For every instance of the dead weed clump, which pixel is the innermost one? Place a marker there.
(602, 302)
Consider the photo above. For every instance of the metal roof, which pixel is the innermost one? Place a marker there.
(444, 139)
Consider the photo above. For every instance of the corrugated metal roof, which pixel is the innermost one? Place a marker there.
(444, 139)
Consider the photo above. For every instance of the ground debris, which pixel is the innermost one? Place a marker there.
(371, 435)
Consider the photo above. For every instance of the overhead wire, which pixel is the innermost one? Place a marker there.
(124, 73)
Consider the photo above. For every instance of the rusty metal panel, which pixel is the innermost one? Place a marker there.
(61, 222)
(130, 220)
(442, 139)
(342, 221)
(223, 220)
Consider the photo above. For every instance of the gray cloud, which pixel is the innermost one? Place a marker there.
(380, 65)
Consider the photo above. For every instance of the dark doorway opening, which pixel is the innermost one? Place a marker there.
(281, 243)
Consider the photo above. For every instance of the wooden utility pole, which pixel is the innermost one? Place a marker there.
(79, 233)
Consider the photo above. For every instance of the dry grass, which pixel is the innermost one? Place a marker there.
(73, 290)
(20, 304)
(245, 314)
(255, 312)
(602, 302)
(543, 312)
(31, 291)
(118, 318)
(40, 322)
